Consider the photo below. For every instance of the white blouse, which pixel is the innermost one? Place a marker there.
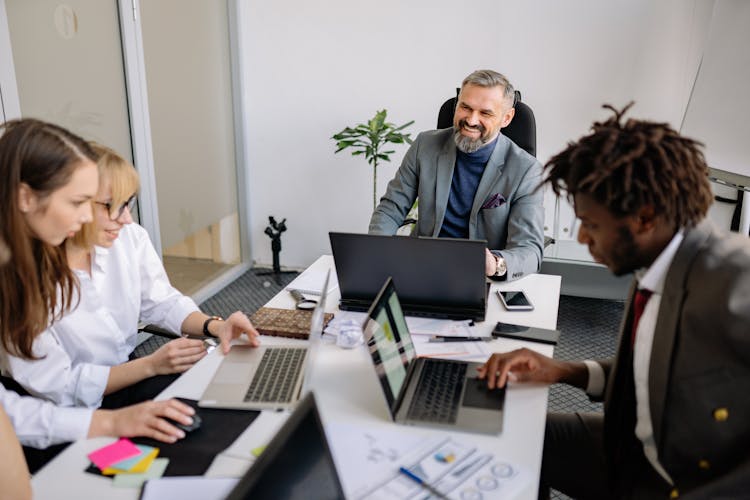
(127, 286)
(40, 423)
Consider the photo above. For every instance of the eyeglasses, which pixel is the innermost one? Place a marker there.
(129, 204)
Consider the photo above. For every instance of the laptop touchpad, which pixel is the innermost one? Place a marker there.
(231, 373)
(477, 395)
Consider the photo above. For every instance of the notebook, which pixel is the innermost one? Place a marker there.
(437, 277)
(292, 323)
(426, 391)
(266, 377)
(296, 464)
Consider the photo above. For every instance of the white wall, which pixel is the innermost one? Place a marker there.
(311, 68)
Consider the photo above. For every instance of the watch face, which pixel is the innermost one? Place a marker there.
(501, 267)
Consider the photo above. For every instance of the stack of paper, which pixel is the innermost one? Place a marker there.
(129, 464)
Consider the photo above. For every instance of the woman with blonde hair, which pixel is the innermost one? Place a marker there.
(85, 356)
(48, 177)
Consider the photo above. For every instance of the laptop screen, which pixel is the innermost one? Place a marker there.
(389, 341)
(296, 464)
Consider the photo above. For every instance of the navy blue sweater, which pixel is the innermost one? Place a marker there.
(466, 176)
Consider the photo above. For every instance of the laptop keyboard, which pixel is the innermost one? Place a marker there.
(438, 393)
(276, 375)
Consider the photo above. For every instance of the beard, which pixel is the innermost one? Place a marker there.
(467, 144)
(624, 258)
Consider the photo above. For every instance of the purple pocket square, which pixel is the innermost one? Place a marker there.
(494, 201)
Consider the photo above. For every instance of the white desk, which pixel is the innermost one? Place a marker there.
(347, 390)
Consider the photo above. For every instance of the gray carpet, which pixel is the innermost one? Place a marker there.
(588, 329)
(247, 293)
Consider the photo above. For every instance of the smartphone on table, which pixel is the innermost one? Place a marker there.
(528, 333)
(515, 300)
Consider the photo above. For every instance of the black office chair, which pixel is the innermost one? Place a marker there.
(521, 130)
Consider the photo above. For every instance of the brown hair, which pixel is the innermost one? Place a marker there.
(639, 163)
(37, 286)
(123, 180)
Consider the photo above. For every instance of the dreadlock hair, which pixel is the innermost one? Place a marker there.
(639, 163)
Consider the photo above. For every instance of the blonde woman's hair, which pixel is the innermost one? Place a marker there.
(123, 180)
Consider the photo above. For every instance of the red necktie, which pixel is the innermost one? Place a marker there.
(639, 304)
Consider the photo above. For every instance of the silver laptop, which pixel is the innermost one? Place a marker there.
(266, 377)
(425, 391)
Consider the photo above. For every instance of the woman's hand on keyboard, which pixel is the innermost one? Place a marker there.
(234, 326)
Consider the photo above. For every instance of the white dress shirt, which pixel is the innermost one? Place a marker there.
(40, 424)
(651, 279)
(128, 285)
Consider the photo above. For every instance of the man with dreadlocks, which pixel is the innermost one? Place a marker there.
(676, 419)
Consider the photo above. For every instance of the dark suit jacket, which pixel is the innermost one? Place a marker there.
(508, 209)
(699, 374)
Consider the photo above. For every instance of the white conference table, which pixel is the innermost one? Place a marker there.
(347, 391)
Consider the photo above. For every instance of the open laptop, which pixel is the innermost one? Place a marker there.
(426, 391)
(437, 277)
(266, 377)
(296, 464)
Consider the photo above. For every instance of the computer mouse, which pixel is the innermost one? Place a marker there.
(197, 421)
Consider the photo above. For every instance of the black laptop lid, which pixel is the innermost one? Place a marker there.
(296, 464)
(431, 273)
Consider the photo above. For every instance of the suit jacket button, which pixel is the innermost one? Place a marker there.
(675, 493)
(721, 414)
(704, 464)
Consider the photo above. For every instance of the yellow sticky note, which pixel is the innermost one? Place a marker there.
(140, 467)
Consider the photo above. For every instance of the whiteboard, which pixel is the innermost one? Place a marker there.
(718, 113)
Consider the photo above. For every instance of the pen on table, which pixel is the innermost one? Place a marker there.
(446, 338)
(433, 491)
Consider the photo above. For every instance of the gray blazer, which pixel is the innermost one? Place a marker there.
(699, 374)
(507, 210)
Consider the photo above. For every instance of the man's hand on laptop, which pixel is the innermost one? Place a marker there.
(234, 326)
(525, 365)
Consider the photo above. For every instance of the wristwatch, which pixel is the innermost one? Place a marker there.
(500, 267)
(207, 322)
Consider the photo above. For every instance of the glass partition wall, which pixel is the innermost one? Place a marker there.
(188, 76)
(74, 65)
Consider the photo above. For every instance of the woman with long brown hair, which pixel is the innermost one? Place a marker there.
(48, 177)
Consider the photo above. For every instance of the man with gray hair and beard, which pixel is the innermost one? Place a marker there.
(473, 182)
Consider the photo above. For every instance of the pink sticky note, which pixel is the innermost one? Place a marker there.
(115, 452)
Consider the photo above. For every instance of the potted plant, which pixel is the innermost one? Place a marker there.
(370, 139)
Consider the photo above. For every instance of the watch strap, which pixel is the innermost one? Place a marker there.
(208, 321)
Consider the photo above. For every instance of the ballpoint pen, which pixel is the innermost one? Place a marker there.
(433, 491)
(445, 338)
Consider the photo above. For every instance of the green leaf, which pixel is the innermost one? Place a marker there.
(368, 138)
(405, 125)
